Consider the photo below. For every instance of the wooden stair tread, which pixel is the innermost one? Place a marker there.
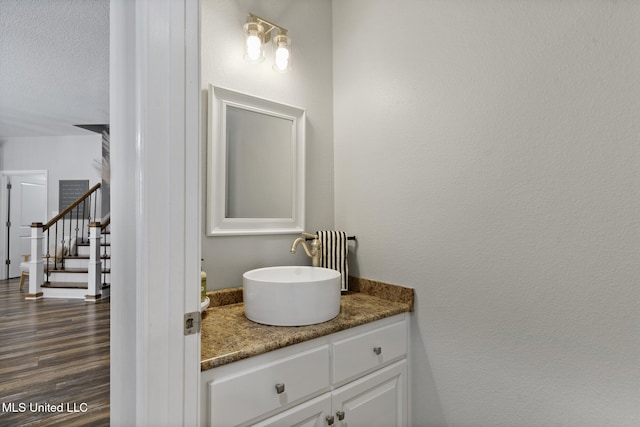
(65, 285)
(75, 270)
(67, 270)
(84, 257)
(69, 285)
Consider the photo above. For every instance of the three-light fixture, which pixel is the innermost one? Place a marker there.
(258, 32)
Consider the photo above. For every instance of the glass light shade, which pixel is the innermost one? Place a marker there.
(253, 46)
(282, 61)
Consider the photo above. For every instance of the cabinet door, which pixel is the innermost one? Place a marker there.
(309, 414)
(377, 400)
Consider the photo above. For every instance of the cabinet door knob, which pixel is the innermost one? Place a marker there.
(330, 420)
(340, 415)
(279, 388)
(377, 350)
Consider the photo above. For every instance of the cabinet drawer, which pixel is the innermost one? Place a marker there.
(236, 399)
(356, 355)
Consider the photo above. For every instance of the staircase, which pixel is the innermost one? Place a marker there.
(71, 280)
(71, 255)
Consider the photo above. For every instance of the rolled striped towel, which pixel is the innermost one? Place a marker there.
(334, 253)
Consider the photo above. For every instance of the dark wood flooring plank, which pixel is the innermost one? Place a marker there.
(53, 352)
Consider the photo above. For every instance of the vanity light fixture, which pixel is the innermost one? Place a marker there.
(258, 32)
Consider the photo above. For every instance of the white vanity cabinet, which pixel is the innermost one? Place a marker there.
(355, 377)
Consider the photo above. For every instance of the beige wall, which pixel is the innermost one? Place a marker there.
(486, 154)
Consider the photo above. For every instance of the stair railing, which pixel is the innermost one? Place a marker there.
(105, 229)
(68, 227)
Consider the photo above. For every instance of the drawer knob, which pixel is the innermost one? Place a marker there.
(330, 420)
(279, 388)
(340, 415)
(377, 350)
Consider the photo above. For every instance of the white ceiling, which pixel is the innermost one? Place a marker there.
(54, 66)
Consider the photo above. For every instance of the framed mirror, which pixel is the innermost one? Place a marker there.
(255, 165)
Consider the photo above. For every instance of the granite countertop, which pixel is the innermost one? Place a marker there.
(228, 336)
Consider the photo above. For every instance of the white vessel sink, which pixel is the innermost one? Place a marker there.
(291, 295)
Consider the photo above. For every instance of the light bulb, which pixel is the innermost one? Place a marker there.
(254, 48)
(253, 34)
(282, 58)
(282, 43)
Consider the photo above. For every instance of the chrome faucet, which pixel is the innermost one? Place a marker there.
(314, 253)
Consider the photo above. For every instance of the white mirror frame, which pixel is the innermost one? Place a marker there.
(217, 222)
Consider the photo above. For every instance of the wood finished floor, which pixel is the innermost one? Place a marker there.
(52, 352)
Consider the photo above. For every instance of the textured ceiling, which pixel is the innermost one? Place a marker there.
(54, 66)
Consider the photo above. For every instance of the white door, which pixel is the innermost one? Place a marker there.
(25, 202)
(377, 400)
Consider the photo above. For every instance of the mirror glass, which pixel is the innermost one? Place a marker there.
(255, 165)
(259, 169)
